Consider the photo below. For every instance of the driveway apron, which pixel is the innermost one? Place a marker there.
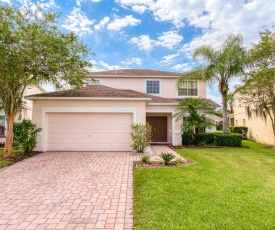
(68, 190)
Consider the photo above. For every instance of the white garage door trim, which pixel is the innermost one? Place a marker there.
(81, 110)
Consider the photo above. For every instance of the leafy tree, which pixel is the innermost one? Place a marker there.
(220, 66)
(33, 49)
(258, 92)
(195, 113)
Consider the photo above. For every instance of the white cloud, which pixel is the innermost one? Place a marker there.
(139, 8)
(182, 67)
(102, 66)
(136, 5)
(169, 58)
(78, 22)
(216, 18)
(102, 23)
(27, 4)
(120, 23)
(167, 40)
(6, 1)
(143, 42)
(78, 2)
(127, 62)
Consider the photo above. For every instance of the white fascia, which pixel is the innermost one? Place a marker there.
(162, 104)
(89, 98)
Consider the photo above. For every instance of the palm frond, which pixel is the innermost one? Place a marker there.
(195, 74)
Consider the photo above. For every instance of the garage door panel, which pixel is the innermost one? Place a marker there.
(88, 132)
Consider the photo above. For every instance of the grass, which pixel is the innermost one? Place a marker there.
(4, 163)
(224, 188)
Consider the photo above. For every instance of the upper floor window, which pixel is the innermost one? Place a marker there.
(153, 86)
(93, 82)
(188, 88)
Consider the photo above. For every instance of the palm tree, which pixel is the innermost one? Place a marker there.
(220, 66)
(230, 100)
(195, 113)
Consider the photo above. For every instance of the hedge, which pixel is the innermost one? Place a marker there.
(206, 139)
(217, 139)
(187, 139)
(203, 139)
(231, 140)
(239, 129)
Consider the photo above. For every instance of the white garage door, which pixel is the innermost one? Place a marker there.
(88, 132)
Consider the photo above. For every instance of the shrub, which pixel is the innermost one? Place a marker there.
(239, 129)
(206, 139)
(24, 134)
(187, 139)
(145, 159)
(179, 160)
(167, 157)
(141, 135)
(233, 140)
(203, 139)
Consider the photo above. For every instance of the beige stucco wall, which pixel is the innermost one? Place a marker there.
(30, 90)
(258, 129)
(81, 105)
(167, 85)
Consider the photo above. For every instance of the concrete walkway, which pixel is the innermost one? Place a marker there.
(68, 191)
(154, 150)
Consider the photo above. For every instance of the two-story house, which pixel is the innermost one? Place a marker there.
(26, 113)
(259, 129)
(98, 117)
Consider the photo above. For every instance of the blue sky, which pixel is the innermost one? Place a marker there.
(157, 34)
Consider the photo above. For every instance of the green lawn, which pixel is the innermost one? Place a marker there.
(223, 189)
(4, 163)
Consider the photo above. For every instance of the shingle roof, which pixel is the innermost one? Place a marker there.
(100, 91)
(135, 73)
(209, 101)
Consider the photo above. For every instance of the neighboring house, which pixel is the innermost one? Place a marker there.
(259, 129)
(26, 113)
(98, 117)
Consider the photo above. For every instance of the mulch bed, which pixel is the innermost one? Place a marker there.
(209, 146)
(20, 156)
(158, 164)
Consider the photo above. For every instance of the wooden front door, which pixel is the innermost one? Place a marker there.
(159, 128)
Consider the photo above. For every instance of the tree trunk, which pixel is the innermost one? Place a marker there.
(9, 137)
(224, 113)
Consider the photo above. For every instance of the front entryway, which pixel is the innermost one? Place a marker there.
(159, 128)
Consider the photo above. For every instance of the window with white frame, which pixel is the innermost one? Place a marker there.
(2, 125)
(93, 81)
(188, 88)
(153, 86)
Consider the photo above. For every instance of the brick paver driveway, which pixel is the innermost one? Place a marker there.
(68, 190)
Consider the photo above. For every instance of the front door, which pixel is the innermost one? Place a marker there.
(159, 128)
